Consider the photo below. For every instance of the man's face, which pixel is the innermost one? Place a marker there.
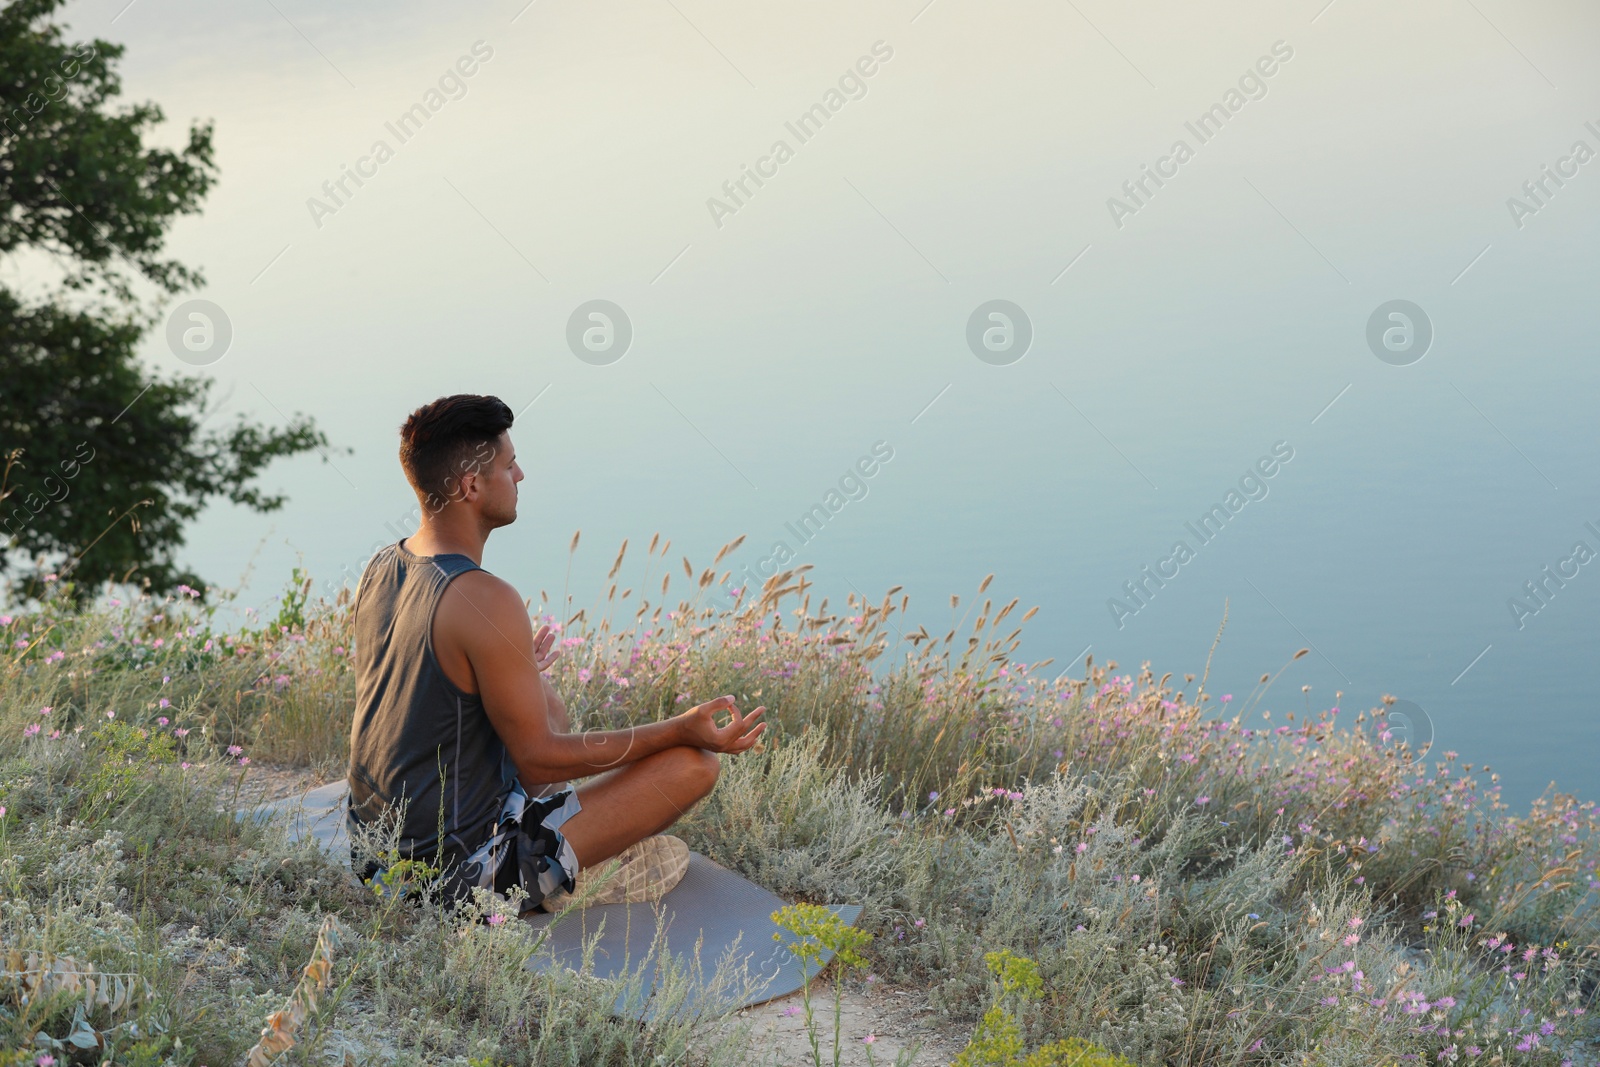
(497, 479)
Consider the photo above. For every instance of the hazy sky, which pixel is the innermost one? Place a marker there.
(1176, 339)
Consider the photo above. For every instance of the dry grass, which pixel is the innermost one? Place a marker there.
(1197, 885)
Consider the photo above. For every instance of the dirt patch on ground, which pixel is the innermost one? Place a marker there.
(892, 1019)
(271, 781)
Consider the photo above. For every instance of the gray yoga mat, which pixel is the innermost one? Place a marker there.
(318, 813)
(729, 916)
(726, 915)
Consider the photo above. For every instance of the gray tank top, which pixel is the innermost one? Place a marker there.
(418, 741)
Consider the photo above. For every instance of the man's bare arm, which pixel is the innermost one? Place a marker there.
(484, 615)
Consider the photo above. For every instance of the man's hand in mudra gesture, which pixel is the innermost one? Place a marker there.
(740, 734)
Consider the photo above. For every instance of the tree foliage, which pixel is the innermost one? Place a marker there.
(105, 461)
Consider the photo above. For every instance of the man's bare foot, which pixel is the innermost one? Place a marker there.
(643, 872)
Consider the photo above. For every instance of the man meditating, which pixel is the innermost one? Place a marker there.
(460, 741)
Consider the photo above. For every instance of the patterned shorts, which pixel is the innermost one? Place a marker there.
(525, 848)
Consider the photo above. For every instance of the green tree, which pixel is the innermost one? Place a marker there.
(104, 461)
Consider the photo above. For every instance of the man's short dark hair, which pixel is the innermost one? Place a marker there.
(442, 440)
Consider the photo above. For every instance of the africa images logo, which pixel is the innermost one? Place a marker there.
(851, 485)
(451, 85)
(1142, 588)
(1252, 85)
(852, 85)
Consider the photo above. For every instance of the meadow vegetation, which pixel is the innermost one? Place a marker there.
(1099, 866)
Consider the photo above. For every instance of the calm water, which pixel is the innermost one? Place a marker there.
(777, 332)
